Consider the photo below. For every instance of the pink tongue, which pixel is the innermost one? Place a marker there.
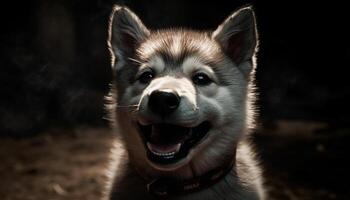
(164, 148)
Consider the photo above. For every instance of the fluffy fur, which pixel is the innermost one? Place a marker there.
(227, 57)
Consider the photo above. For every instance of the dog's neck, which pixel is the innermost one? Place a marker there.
(164, 186)
(131, 183)
(169, 185)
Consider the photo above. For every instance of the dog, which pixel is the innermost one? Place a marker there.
(181, 103)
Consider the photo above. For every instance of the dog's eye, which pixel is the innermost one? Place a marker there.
(201, 79)
(146, 77)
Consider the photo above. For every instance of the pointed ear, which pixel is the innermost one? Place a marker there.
(237, 36)
(126, 32)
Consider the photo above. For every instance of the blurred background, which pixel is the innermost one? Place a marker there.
(55, 72)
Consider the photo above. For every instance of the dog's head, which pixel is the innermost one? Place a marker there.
(182, 95)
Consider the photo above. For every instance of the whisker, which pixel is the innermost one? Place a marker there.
(134, 111)
(134, 60)
(127, 106)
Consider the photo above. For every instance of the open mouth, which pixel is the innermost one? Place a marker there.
(168, 143)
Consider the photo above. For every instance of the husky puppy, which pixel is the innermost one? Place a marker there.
(181, 106)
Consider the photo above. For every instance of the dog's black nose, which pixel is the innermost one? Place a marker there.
(163, 103)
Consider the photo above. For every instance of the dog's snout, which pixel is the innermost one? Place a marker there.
(163, 103)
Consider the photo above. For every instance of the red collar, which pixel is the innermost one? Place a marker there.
(164, 187)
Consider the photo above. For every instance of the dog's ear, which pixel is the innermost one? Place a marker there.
(126, 32)
(237, 36)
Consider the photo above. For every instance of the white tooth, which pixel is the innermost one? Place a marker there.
(166, 155)
(149, 146)
(169, 157)
(178, 147)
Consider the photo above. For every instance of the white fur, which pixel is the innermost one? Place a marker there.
(226, 103)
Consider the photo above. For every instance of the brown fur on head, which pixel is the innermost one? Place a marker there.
(175, 58)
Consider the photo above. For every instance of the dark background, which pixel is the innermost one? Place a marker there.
(54, 63)
(55, 71)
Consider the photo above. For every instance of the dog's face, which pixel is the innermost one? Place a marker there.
(181, 95)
